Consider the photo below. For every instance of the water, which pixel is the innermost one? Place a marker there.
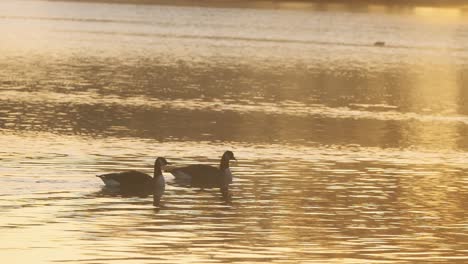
(348, 153)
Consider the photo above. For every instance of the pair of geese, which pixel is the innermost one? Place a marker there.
(199, 175)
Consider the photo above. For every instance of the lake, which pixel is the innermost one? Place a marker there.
(348, 152)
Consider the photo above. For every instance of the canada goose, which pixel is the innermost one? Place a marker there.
(201, 175)
(136, 181)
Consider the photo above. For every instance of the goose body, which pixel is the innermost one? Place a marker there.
(126, 179)
(205, 176)
(202, 176)
(135, 181)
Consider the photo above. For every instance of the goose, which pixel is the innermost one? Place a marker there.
(379, 43)
(201, 175)
(138, 181)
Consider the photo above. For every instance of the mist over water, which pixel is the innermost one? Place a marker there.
(347, 152)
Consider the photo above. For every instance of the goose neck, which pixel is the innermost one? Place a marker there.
(224, 163)
(157, 170)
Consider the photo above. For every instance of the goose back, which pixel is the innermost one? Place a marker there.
(198, 175)
(126, 178)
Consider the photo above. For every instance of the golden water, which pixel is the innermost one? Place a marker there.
(348, 153)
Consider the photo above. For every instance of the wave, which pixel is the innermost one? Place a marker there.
(291, 108)
(218, 37)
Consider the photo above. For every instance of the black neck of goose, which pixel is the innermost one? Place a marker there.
(157, 170)
(224, 163)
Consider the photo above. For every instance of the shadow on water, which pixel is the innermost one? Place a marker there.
(217, 194)
(126, 192)
(221, 193)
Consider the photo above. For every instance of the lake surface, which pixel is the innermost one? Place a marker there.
(347, 152)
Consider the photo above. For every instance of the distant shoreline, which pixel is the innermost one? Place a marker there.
(284, 3)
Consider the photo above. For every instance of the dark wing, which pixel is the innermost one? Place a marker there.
(129, 178)
(198, 175)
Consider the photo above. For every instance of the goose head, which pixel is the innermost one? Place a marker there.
(161, 163)
(228, 155)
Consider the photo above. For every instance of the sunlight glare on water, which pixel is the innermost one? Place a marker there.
(347, 152)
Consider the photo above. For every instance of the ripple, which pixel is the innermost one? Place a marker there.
(278, 108)
(348, 153)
